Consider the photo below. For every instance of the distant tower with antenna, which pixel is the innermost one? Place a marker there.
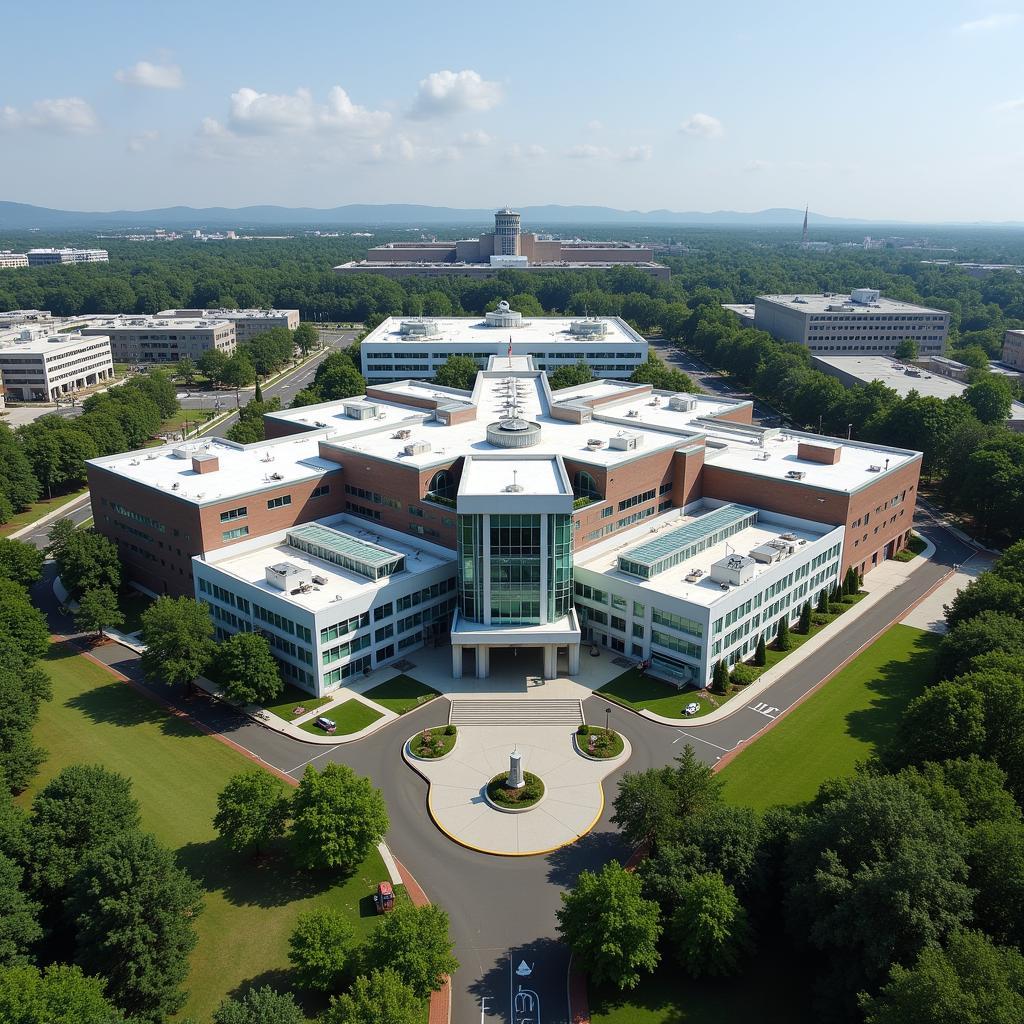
(803, 240)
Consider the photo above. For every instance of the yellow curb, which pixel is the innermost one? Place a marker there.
(500, 853)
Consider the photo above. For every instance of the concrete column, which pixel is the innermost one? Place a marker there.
(550, 661)
(456, 661)
(574, 659)
(483, 661)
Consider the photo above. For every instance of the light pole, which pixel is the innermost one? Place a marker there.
(607, 720)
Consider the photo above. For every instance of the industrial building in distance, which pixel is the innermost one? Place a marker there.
(12, 260)
(404, 347)
(664, 527)
(507, 247)
(861, 323)
(44, 257)
(1013, 349)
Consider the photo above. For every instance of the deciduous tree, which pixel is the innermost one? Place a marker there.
(710, 931)
(251, 811)
(178, 634)
(320, 949)
(381, 997)
(247, 670)
(97, 611)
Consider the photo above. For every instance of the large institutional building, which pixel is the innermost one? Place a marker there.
(403, 347)
(662, 526)
(157, 339)
(44, 257)
(248, 322)
(39, 363)
(507, 247)
(861, 323)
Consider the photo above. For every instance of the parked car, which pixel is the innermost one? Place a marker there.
(327, 724)
(384, 898)
(692, 708)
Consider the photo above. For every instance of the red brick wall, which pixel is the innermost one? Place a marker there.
(689, 477)
(742, 415)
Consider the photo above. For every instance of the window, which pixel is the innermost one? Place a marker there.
(280, 501)
(238, 531)
(638, 610)
(442, 486)
(319, 492)
(584, 485)
(382, 611)
(234, 513)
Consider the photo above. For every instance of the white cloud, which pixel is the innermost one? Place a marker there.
(595, 126)
(145, 75)
(703, 125)
(141, 142)
(1011, 106)
(445, 93)
(990, 23)
(588, 151)
(475, 140)
(68, 115)
(637, 154)
(755, 166)
(263, 113)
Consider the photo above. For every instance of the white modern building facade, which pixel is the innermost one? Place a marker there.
(12, 260)
(861, 323)
(335, 598)
(38, 364)
(248, 322)
(416, 348)
(44, 257)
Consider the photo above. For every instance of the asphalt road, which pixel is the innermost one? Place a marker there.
(285, 389)
(505, 907)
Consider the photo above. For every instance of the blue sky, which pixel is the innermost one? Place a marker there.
(904, 109)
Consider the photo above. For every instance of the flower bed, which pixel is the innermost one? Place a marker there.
(431, 744)
(515, 799)
(594, 741)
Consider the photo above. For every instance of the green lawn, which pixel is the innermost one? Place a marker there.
(293, 698)
(914, 547)
(37, 510)
(350, 716)
(177, 771)
(401, 694)
(760, 994)
(641, 691)
(846, 721)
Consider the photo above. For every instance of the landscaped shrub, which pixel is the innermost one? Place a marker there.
(742, 674)
(583, 730)
(449, 729)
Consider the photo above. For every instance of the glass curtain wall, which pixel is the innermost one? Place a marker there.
(515, 569)
(559, 566)
(471, 560)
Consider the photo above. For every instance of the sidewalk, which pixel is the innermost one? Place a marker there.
(886, 578)
(930, 613)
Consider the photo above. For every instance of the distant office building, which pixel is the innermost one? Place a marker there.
(1013, 349)
(12, 260)
(42, 257)
(39, 364)
(248, 322)
(977, 269)
(156, 339)
(744, 310)
(507, 247)
(15, 317)
(862, 322)
(415, 348)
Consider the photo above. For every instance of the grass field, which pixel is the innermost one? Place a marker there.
(846, 721)
(37, 510)
(401, 694)
(349, 716)
(177, 771)
(293, 698)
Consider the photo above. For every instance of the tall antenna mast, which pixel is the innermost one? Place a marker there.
(803, 241)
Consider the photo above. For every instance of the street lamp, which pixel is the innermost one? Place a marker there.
(607, 720)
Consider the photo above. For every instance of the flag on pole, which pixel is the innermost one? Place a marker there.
(510, 350)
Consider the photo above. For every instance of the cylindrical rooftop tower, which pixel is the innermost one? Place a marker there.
(506, 233)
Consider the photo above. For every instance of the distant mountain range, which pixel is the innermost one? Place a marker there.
(22, 216)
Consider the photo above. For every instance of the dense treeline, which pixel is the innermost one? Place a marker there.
(899, 892)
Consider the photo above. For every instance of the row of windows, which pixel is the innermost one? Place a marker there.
(280, 501)
(679, 622)
(372, 496)
(438, 611)
(362, 510)
(344, 627)
(234, 513)
(334, 654)
(319, 492)
(238, 531)
(356, 667)
(280, 622)
(636, 499)
(635, 517)
(677, 644)
(138, 517)
(426, 594)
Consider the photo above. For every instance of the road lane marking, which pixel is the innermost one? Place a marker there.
(764, 709)
(690, 736)
(312, 759)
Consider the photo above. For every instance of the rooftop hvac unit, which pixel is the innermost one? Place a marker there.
(360, 411)
(789, 536)
(682, 403)
(624, 442)
(874, 469)
(796, 474)
(417, 448)
(401, 435)
(595, 442)
(319, 580)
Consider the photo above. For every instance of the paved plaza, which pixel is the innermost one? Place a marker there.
(572, 803)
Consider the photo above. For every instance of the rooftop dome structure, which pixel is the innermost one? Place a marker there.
(503, 316)
(513, 432)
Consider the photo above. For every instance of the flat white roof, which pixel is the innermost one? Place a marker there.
(147, 323)
(492, 476)
(534, 331)
(44, 341)
(604, 557)
(806, 303)
(249, 561)
(242, 468)
(229, 314)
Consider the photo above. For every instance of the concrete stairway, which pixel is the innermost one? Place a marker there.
(524, 711)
